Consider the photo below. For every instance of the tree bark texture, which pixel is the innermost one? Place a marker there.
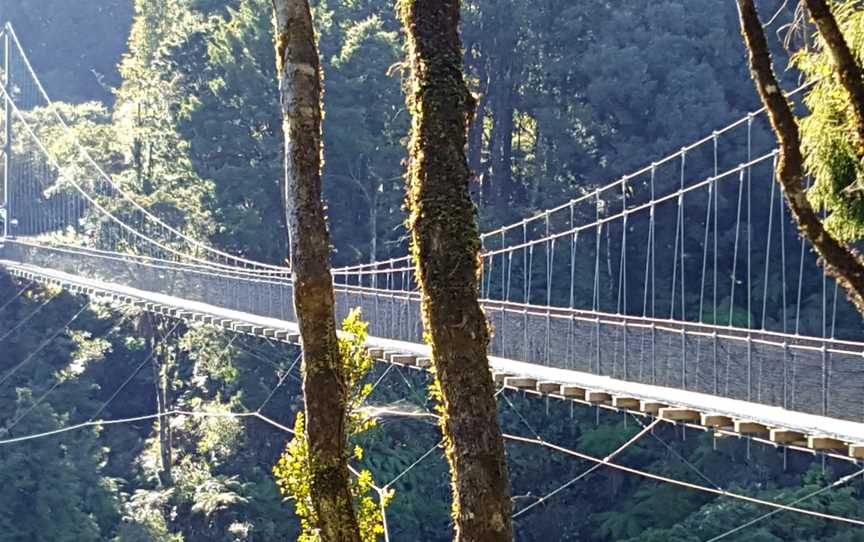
(445, 246)
(148, 326)
(840, 262)
(500, 173)
(324, 385)
(847, 69)
(163, 405)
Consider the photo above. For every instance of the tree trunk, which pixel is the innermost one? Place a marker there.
(839, 261)
(163, 405)
(373, 226)
(148, 326)
(445, 245)
(501, 139)
(502, 64)
(324, 384)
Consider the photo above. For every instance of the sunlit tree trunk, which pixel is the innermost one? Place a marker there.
(324, 383)
(840, 262)
(148, 327)
(445, 246)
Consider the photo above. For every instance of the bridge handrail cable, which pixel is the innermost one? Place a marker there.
(256, 266)
(273, 270)
(540, 215)
(155, 263)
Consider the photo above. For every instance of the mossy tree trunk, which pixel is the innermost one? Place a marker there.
(445, 246)
(840, 262)
(324, 383)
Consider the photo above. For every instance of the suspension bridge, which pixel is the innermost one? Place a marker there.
(680, 291)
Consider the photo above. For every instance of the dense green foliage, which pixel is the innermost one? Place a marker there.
(292, 471)
(572, 94)
(829, 141)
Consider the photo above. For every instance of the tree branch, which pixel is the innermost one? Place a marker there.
(840, 262)
(847, 69)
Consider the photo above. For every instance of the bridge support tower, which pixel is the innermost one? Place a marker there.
(5, 212)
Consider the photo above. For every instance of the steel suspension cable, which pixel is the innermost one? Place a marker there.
(17, 295)
(797, 501)
(103, 210)
(646, 429)
(42, 345)
(106, 178)
(679, 483)
(29, 317)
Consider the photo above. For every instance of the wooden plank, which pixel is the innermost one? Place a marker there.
(294, 338)
(680, 414)
(376, 353)
(787, 436)
(715, 420)
(521, 382)
(547, 386)
(749, 426)
(819, 442)
(498, 377)
(269, 332)
(575, 392)
(242, 327)
(651, 407)
(281, 335)
(597, 396)
(404, 359)
(856, 450)
(631, 403)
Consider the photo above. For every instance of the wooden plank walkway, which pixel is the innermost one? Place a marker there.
(770, 425)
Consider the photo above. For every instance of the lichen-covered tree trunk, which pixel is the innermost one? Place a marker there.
(445, 246)
(324, 384)
(840, 262)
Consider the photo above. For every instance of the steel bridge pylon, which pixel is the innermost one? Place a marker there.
(5, 211)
